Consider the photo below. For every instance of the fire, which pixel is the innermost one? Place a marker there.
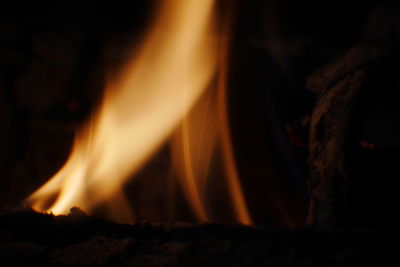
(159, 96)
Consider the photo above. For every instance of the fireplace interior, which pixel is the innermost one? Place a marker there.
(285, 151)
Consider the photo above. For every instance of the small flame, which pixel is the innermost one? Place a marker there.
(153, 99)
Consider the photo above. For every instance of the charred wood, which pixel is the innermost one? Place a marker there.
(29, 238)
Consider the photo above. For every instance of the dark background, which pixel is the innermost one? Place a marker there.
(53, 56)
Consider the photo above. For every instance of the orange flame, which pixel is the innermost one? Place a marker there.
(170, 72)
(203, 131)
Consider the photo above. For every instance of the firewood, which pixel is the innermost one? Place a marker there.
(28, 238)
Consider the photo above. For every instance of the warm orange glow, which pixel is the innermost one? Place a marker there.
(203, 132)
(227, 149)
(173, 69)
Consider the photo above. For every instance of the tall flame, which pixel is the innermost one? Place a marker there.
(203, 131)
(173, 68)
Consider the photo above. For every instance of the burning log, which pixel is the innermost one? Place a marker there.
(29, 238)
(339, 86)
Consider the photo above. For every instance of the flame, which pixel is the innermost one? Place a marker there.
(203, 131)
(152, 99)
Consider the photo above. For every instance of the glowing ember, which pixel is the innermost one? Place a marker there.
(154, 96)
